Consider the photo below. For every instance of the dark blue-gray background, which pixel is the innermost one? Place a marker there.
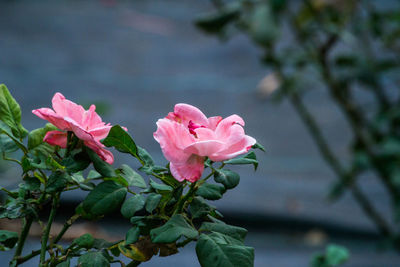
(139, 58)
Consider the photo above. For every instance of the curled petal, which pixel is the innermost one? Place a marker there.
(56, 138)
(99, 149)
(241, 147)
(190, 113)
(91, 119)
(101, 132)
(52, 117)
(213, 122)
(190, 170)
(80, 132)
(222, 130)
(173, 138)
(204, 148)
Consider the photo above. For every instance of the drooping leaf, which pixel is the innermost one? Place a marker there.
(160, 187)
(7, 145)
(142, 250)
(10, 113)
(172, 230)
(105, 198)
(227, 177)
(132, 205)
(210, 191)
(93, 259)
(218, 250)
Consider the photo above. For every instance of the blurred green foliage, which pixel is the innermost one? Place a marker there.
(349, 49)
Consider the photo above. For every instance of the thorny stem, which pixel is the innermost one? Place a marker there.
(46, 232)
(27, 222)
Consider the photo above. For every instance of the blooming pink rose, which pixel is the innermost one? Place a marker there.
(85, 124)
(187, 136)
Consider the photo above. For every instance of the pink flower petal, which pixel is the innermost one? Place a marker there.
(190, 170)
(204, 148)
(80, 132)
(103, 153)
(56, 138)
(101, 132)
(213, 122)
(173, 138)
(52, 117)
(91, 119)
(223, 128)
(66, 108)
(235, 150)
(190, 113)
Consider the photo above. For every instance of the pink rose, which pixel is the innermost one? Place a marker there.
(187, 136)
(85, 124)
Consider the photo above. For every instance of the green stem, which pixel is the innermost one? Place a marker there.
(182, 201)
(46, 233)
(66, 226)
(27, 222)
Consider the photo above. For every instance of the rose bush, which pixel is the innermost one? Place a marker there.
(70, 154)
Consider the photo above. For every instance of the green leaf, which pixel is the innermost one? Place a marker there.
(132, 235)
(7, 239)
(145, 156)
(121, 140)
(78, 177)
(101, 243)
(35, 137)
(76, 162)
(250, 158)
(210, 191)
(132, 177)
(10, 113)
(57, 182)
(238, 233)
(5, 129)
(100, 165)
(84, 241)
(93, 259)
(334, 256)
(152, 201)
(200, 208)
(258, 146)
(132, 205)
(7, 145)
(32, 183)
(65, 263)
(105, 198)
(172, 230)
(218, 250)
(160, 187)
(226, 177)
(93, 175)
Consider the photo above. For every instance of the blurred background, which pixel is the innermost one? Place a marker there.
(136, 59)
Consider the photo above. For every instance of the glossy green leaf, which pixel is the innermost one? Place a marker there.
(152, 202)
(210, 191)
(76, 162)
(218, 250)
(35, 137)
(160, 187)
(238, 233)
(250, 158)
(57, 181)
(100, 165)
(93, 259)
(227, 177)
(7, 145)
(132, 205)
(132, 235)
(105, 198)
(200, 208)
(84, 241)
(10, 113)
(121, 140)
(132, 177)
(172, 230)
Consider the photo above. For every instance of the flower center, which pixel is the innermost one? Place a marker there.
(193, 126)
